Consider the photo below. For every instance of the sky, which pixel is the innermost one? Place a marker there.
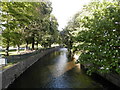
(64, 10)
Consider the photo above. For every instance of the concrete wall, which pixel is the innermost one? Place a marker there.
(112, 77)
(0, 80)
(10, 74)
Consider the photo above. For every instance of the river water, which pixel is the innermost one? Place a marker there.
(54, 71)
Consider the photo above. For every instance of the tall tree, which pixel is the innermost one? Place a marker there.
(99, 36)
(26, 22)
(68, 35)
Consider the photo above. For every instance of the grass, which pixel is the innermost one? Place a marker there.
(11, 52)
(14, 52)
(7, 66)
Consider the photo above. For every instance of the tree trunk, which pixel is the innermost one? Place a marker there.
(37, 45)
(49, 45)
(26, 47)
(33, 43)
(18, 47)
(7, 50)
(8, 39)
(69, 55)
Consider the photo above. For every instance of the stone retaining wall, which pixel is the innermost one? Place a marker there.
(10, 74)
(112, 77)
(0, 80)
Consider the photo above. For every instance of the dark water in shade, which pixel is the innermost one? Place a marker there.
(54, 71)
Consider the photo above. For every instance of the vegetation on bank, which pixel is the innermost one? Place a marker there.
(27, 23)
(95, 31)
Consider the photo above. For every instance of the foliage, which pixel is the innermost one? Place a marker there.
(68, 38)
(98, 25)
(27, 22)
(50, 34)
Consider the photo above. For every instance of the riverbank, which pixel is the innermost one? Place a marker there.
(10, 74)
(111, 78)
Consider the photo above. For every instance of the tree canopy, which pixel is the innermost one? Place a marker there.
(27, 22)
(97, 36)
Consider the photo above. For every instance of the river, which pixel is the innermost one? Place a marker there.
(54, 71)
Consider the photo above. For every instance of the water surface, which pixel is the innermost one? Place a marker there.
(54, 71)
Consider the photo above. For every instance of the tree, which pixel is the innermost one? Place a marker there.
(41, 22)
(51, 32)
(99, 36)
(24, 22)
(68, 36)
(95, 33)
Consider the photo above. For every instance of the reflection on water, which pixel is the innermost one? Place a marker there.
(53, 71)
(61, 65)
